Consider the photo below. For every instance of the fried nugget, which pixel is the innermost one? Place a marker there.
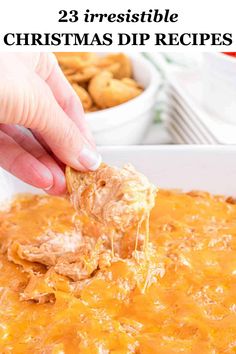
(118, 64)
(85, 99)
(109, 92)
(76, 61)
(83, 75)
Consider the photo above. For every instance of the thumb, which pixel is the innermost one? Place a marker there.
(43, 114)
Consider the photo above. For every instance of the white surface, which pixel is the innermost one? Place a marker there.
(188, 88)
(42, 16)
(127, 123)
(211, 168)
(219, 86)
(157, 134)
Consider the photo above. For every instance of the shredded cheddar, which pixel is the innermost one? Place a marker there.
(189, 302)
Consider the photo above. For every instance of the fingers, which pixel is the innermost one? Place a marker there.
(32, 104)
(23, 165)
(67, 99)
(62, 135)
(41, 140)
(25, 139)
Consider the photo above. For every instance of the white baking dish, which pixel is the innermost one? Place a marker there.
(210, 168)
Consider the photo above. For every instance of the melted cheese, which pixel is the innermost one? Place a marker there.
(189, 302)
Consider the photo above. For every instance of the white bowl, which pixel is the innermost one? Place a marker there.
(210, 168)
(219, 86)
(127, 123)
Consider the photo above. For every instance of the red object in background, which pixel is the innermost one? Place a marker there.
(232, 54)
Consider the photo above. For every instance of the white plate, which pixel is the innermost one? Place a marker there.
(189, 86)
(189, 118)
(176, 136)
(211, 168)
(219, 85)
(184, 127)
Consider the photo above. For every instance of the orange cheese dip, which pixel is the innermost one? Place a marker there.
(181, 300)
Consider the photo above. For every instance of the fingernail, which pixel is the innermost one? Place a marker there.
(90, 158)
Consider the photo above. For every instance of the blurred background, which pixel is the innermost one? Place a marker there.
(156, 98)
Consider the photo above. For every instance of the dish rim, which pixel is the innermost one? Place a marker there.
(169, 147)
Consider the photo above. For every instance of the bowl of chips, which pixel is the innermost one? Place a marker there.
(117, 91)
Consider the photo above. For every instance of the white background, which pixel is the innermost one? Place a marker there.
(42, 16)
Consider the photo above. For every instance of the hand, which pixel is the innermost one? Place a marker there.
(42, 124)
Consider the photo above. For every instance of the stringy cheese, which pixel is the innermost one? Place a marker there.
(181, 300)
